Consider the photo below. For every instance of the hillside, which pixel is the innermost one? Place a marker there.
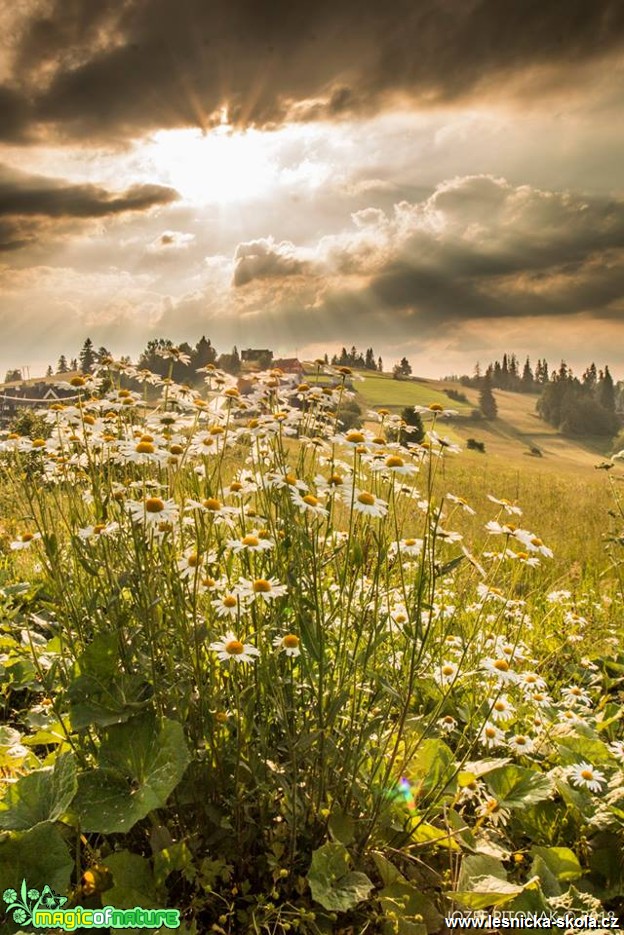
(509, 438)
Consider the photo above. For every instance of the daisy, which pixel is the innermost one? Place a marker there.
(584, 775)
(266, 589)
(288, 644)
(435, 409)
(328, 486)
(100, 529)
(152, 511)
(407, 548)
(368, 504)
(447, 723)
(500, 668)
(507, 505)
(252, 542)
(530, 682)
(396, 465)
(491, 736)
(226, 605)
(24, 541)
(231, 648)
(461, 503)
(574, 695)
(446, 673)
(533, 543)
(307, 503)
(521, 744)
(501, 709)
(189, 565)
(492, 809)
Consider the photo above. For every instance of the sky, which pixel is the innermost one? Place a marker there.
(437, 179)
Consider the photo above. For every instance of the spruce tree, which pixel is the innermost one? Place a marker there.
(487, 403)
(87, 356)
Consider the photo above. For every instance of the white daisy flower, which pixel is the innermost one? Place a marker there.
(584, 775)
(507, 505)
(407, 548)
(575, 695)
(226, 605)
(307, 503)
(266, 589)
(499, 667)
(446, 673)
(617, 749)
(254, 541)
(231, 648)
(501, 709)
(491, 736)
(461, 503)
(368, 504)
(289, 644)
(447, 723)
(152, 511)
(25, 541)
(520, 743)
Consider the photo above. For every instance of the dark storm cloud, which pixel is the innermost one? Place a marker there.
(478, 248)
(120, 68)
(263, 259)
(29, 203)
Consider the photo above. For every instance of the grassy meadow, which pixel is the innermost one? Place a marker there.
(286, 677)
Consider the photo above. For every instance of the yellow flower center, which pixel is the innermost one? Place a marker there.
(176, 449)
(448, 670)
(290, 479)
(536, 542)
(436, 407)
(232, 392)
(38, 443)
(366, 499)
(154, 505)
(262, 586)
(335, 480)
(234, 648)
(27, 537)
(410, 542)
(587, 774)
(500, 706)
(379, 440)
(229, 601)
(211, 503)
(356, 438)
(394, 461)
(89, 420)
(145, 448)
(126, 402)
(235, 486)
(346, 371)
(216, 430)
(192, 560)
(98, 528)
(311, 500)
(221, 717)
(520, 741)
(77, 381)
(383, 412)
(291, 641)
(502, 665)
(208, 582)
(303, 387)
(490, 732)
(251, 541)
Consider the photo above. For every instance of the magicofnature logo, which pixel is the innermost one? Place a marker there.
(46, 908)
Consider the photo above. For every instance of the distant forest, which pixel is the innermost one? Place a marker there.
(588, 405)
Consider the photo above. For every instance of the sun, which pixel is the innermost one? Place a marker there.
(222, 166)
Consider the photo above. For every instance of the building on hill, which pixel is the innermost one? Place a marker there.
(30, 394)
(290, 365)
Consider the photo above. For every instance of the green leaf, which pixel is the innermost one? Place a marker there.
(477, 866)
(133, 882)
(575, 748)
(341, 828)
(43, 795)
(39, 856)
(105, 702)
(141, 763)
(387, 871)
(332, 884)
(554, 866)
(432, 766)
(517, 787)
